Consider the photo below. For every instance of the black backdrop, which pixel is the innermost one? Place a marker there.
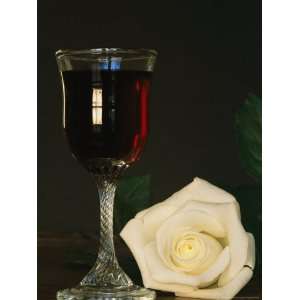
(209, 59)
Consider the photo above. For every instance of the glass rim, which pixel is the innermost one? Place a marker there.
(105, 51)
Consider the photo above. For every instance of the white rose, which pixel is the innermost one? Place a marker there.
(193, 244)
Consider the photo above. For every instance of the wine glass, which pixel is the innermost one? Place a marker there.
(105, 119)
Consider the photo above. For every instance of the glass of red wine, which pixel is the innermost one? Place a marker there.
(105, 119)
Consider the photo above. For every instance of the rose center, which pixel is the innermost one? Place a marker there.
(193, 252)
(187, 247)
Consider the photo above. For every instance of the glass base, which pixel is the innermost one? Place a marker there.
(96, 293)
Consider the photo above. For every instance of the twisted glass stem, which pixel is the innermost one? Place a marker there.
(106, 272)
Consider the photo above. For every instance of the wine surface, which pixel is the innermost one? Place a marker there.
(106, 113)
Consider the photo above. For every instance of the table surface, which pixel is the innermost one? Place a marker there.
(64, 258)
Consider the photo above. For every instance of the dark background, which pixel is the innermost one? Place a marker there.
(209, 60)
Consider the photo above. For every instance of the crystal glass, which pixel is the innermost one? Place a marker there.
(105, 119)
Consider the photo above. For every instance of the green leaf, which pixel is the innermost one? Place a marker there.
(249, 135)
(132, 196)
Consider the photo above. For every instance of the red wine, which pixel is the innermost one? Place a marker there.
(106, 113)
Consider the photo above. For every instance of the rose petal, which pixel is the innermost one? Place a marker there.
(237, 238)
(237, 241)
(197, 220)
(227, 292)
(155, 216)
(200, 190)
(152, 284)
(203, 191)
(250, 261)
(141, 213)
(163, 274)
(135, 237)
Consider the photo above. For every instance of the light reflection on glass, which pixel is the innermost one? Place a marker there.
(112, 63)
(97, 106)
